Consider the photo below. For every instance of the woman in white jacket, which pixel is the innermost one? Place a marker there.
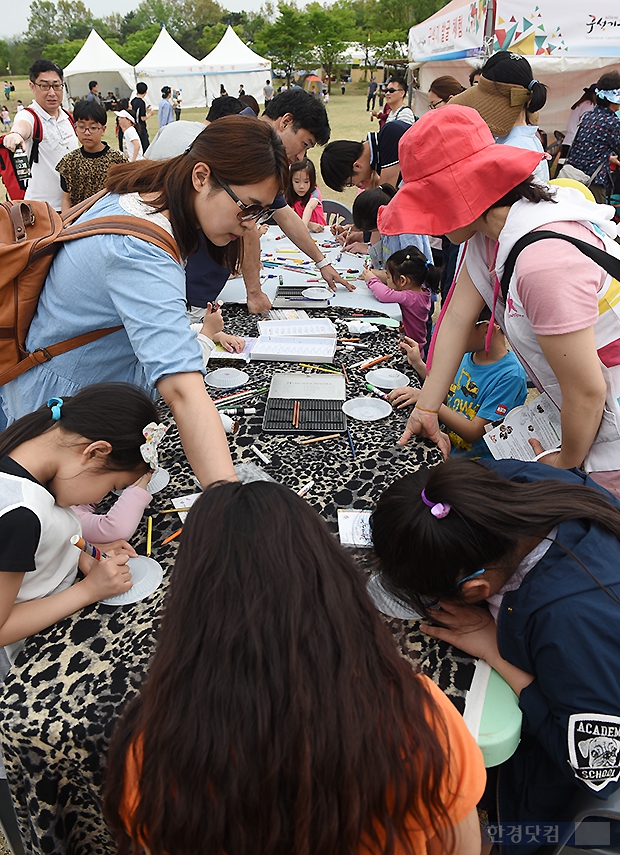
(561, 314)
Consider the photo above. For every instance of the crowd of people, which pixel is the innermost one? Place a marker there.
(277, 715)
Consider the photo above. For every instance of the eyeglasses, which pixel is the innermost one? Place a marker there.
(392, 91)
(429, 604)
(92, 130)
(434, 104)
(254, 212)
(45, 86)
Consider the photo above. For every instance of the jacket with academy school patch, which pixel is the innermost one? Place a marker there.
(560, 626)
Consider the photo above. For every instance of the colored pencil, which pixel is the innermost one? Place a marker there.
(366, 365)
(350, 438)
(149, 535)
(318, 368)
(318, 439)
(172, 536)
(344, 371)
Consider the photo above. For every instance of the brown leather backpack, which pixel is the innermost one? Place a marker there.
(30, 235)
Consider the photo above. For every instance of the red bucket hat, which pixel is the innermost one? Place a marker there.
(453, 171)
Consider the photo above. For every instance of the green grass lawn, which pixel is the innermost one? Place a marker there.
(347, 116)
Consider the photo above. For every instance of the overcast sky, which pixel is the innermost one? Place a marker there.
(17, 21)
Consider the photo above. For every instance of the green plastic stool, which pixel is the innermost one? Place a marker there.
(497, 728)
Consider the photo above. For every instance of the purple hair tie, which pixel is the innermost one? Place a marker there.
(438, 509)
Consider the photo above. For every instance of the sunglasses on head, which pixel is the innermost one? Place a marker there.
(254, 212)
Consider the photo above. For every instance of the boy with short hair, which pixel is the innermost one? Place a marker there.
(83, 172)
(485, 388)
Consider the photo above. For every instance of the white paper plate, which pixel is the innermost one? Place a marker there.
(159, 480)
(226, 378)
(386, 603)
(387, 378)
(317, 293)
(367, 409)
(146, 575)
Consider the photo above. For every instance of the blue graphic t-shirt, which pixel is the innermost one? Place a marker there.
(486, 391)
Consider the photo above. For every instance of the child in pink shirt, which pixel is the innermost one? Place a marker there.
(410, 280)
(121, 520)
(304, 196)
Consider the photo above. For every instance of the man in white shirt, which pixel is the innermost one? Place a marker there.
(46, 83)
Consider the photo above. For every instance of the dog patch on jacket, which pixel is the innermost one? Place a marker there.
(594, 748)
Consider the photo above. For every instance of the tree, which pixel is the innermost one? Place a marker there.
(42, 29)
(136, 45)
(332, 30)
(63, 52)
(286, 41)
(73, 19)
(211, 36)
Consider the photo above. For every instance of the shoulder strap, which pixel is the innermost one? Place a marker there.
(37, 135)
(608, 262)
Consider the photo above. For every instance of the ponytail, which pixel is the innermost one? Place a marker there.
(487, 518)
(114, 412)
(412, 263)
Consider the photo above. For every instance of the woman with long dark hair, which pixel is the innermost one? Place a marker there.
(277, 717)
(223, 185)
(544, 555)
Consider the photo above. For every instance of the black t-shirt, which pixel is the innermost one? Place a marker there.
(139, 108)
(20, 528)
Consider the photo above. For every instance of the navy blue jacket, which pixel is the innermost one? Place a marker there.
(560, 626)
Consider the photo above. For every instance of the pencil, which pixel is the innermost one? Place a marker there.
(172, 536)
(318, 439)
(366, 365)
(149, 535)
(296, 414)
(350, 438)
(344, 371)
(318, 368)
(173, 511)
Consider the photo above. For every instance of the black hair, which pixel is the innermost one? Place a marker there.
(165, 91)
(475, 72)
(507, 67)
(528, 190)
(225, 105)
(84, 110)
(114, 412)
(337, 162)
(307, 112)
(401, 82)
(489, 516)
(40, 66)
(92, 84)
(611, 80)
(366, 206)
(141, 88)
(413, 264)
(251, 102)
(304, 165)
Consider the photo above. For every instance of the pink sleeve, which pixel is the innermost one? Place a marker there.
(385, 294)
(121, 520)
(318, 215)
(558, 285)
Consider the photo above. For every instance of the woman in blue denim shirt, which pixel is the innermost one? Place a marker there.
(222, 185)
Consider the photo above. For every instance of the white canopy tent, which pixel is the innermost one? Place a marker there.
(167, 64)
(97, 61)
(567, 49)
(232, 63)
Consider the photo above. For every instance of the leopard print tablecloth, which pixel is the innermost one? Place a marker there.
(70, 683)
